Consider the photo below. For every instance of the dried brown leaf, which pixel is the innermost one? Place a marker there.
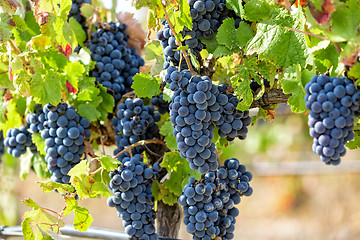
(134, 30)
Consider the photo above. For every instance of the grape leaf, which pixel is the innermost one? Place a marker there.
(39, 142)
(236, 5)
(46, 89)
(5, 28)
(26, 229)
(345, 22)
(355, 71)
(73, 71)
(243, 92)
(82, 219)
(40, 167)
(167, 131)
(49, 186)
(274, 43)
(294, 82)
(257, 10)
(145, 85)
(78, 30)
(107, 162)
(179, 170)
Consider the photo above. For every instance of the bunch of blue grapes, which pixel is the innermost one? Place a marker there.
(134, 122)
(199, 209)
(160, 103)
(232, 183)
(116, 62)
(36, 119)
(64, 134)
(191, 118)
(131, 184)
(231, 122)
(76, 13)
(332, 103)
(209, 205)
(207, 16)
(18, 140)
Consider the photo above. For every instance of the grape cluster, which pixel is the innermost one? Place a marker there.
(196, 106)
(192, 119)
(332, 103)
(131, 184)
(230, 121)
(134, 122)
(116, 62)
(160, 103)
(36, 119)
(64, 134)
(76, 13)
(17, 140)
(209, 204)
(207, 16)
(233, 183)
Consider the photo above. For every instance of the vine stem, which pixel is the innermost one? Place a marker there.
(17, 51)
(96, 171)
(184, 53)
(311, 34)
(140, 143)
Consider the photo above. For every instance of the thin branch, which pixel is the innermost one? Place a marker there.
(96, 171)
(338, 48)
(49, 210)
(311, 34)
(184, 53)
(140, 143)
(101, 141)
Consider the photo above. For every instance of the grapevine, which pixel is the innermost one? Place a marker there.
(97, 111)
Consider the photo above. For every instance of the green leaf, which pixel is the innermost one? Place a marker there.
(257, 10)
(355, 71)
(25, 165)
(5, 28)
(26, 229)
(236, 5)
(145, 85)
(107, 162)
(39, 142)
(243, 92)
(107, 104)
(167, 131)
(227, 34)
(281, 46)
(79, 169)
(243, 34)
(73, 71)
(30, 203)
(180, 172)
(82, 219)
(87, 10)
(294, 82)
(100, 188)
(49, 186)
(153, 50)
(194, 61)
(78, 30)
(46, 89)
(71, 204)
(65, 7)
(40, 166)
(89, 111)
(345, 21)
